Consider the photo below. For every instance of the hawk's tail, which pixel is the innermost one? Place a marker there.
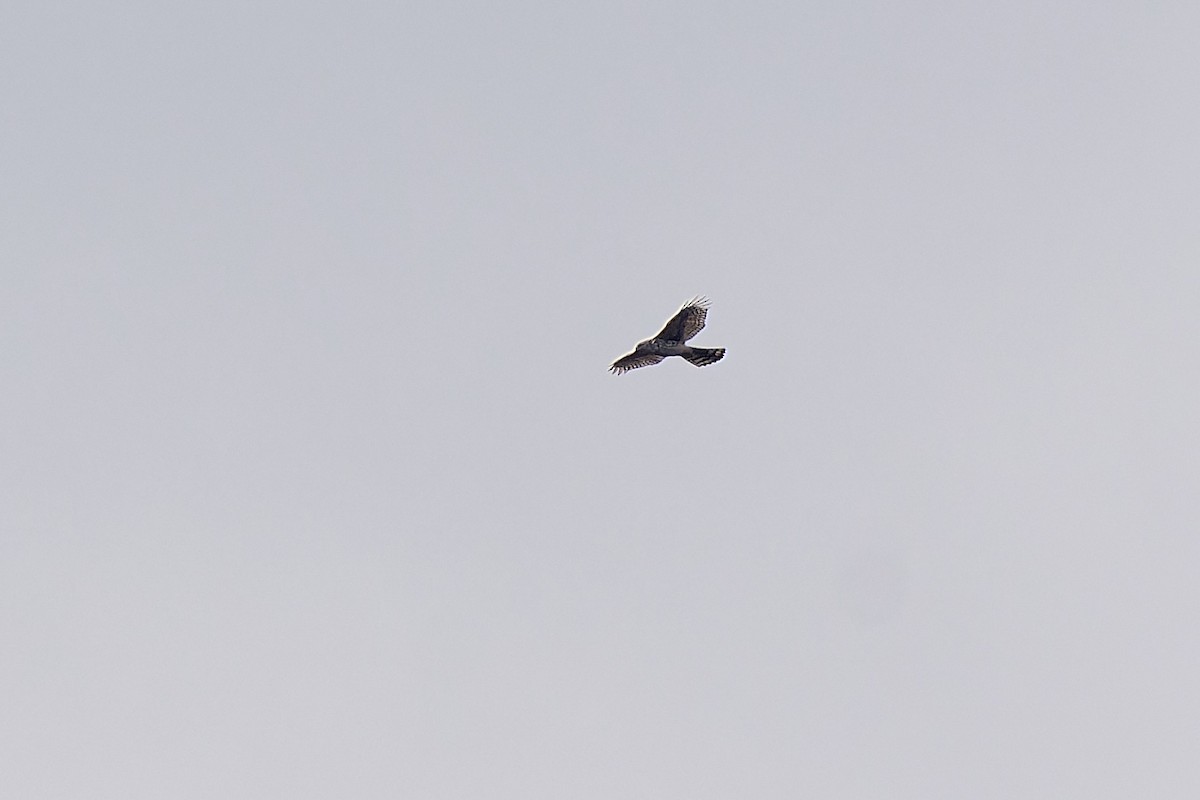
(703, 356)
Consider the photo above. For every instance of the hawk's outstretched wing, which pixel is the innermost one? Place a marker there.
(633, 361)
(687, 322)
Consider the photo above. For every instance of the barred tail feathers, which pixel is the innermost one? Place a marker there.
(703, 356)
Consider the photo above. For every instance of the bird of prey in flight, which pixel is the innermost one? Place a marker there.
(672, 341)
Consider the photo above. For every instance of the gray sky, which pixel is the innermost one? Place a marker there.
(315, 484)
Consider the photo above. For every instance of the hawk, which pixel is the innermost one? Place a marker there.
(670, 341)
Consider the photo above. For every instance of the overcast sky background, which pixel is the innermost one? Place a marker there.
(314, 483)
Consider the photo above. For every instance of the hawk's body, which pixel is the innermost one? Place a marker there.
(672, 341)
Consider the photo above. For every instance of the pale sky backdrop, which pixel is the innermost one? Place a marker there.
(315, 485)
